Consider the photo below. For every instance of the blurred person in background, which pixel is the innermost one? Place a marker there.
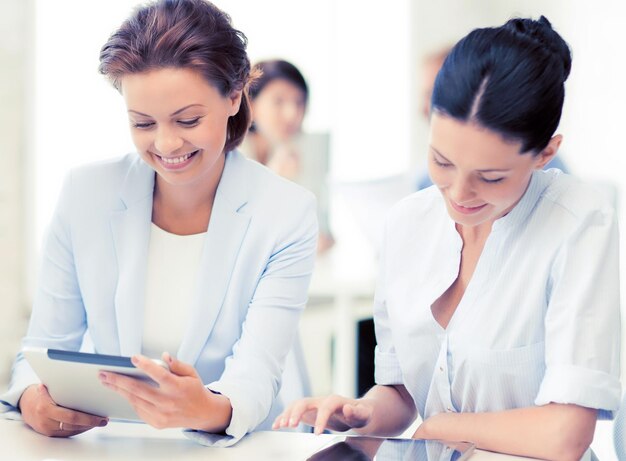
(279, 98)
(497, 309)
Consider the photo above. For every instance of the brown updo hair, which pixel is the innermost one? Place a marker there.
(191, 34)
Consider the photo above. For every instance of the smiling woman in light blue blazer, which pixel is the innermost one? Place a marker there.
(187, 234)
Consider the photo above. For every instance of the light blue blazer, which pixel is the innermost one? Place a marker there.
(253, 278)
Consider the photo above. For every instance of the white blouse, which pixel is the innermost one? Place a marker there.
(539, 321)
(171, 278)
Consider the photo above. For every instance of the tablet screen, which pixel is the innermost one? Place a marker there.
(96, 359)
(382, 449)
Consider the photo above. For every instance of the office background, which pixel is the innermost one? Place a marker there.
(361, 59)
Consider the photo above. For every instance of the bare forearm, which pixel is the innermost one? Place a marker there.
(553, 432)
(394, 410)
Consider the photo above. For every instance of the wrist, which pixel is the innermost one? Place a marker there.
(433, 427)
(23, 400)
(217, 413)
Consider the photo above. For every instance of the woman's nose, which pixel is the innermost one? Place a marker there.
(167, 141)
(461, 190)
(293, 114)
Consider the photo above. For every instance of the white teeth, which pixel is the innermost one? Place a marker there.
(175, 160)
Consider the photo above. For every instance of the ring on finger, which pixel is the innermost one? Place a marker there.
(60, 425)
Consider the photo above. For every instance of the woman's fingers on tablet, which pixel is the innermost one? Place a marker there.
(320, 412)
(42, 414)
(65, 429)
(128, 386)
(75, 420)
(179, 397)
(292, 415)
(157, 372)
(297, 410)
(179, 368)
(139, 394)
(328, 408)
(331, 414)
(357, 415)
(44, 394)
(321, 421)
(281, 420)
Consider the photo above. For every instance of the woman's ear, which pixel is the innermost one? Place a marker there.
(235, 101)
(549, 152)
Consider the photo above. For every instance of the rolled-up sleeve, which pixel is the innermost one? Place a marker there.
(387, 368)
(582, 322)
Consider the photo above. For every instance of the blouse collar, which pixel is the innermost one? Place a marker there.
(539, 181)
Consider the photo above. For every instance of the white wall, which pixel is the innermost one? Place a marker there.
(78, 116)
(13, 64)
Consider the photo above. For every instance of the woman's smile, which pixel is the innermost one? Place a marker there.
(174, 163)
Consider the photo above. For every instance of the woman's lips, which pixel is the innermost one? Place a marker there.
(467, 210)
(176, 163)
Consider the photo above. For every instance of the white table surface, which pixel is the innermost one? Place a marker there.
(120, 442)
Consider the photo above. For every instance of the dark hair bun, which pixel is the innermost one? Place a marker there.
(541, 34)
(508, 79)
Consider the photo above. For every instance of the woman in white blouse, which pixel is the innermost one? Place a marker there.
(184, 247)
(497, 309)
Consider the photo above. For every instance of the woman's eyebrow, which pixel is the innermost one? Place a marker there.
(138, 113)
(171, 115)
(494, 170)
(185, 108)
(487, 170)
(439, 154)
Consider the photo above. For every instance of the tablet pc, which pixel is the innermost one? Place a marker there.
(359, 448)
(72, 380)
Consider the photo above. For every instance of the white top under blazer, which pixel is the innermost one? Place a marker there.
(539, 321)
(171, 278)
(251, 285)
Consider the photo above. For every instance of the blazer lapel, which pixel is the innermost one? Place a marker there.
(131, 235)
(227, 228)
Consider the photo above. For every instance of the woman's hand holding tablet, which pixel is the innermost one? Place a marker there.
(179, 400)
(71, 392)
